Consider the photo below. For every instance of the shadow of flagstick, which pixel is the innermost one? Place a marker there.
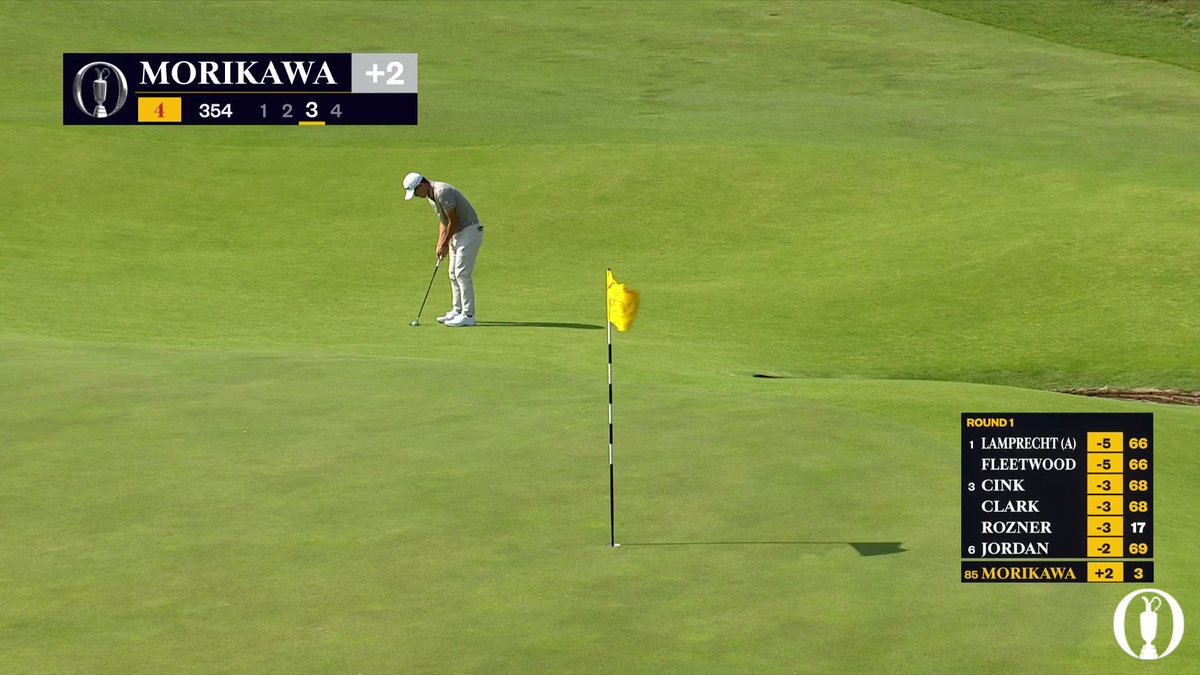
(864, 548)
(537, 324)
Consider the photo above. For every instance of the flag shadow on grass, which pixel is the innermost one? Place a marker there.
(537, 324)
(864, 548)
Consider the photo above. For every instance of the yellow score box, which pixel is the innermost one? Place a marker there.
(1105, 547)
(1100, 505)
(1105, 441)
(1104, 484)
(160, 110)
(1105, 526)
(1106, 573)
(1105, 462)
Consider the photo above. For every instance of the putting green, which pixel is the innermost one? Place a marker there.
(225, 449)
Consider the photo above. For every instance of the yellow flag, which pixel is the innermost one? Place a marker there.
(622, 304)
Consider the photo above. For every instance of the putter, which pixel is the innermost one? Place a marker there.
(417, 321)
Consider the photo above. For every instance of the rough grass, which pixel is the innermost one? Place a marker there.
(1159, 30)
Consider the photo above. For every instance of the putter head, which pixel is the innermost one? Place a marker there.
(416, 322)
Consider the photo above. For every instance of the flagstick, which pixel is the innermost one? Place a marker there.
(612, 517)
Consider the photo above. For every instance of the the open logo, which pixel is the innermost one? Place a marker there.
(100, 94)
(1152, 599)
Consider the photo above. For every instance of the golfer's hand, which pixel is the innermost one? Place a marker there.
(442, 251)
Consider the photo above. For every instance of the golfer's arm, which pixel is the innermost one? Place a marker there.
(449, 228)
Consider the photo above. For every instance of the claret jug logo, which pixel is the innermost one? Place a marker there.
(101, 73)
(1146, 630)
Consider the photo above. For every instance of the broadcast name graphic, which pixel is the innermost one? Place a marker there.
(1148, 622)
(303, 89)
(237, 73)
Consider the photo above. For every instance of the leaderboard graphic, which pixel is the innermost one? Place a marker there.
(1057, 497)
(292, 89)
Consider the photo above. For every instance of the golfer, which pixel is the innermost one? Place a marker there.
(459, 236)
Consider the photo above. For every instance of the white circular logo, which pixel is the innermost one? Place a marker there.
(102, 71)
(1152, 599)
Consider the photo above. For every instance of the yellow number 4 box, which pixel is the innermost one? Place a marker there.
(160, 110)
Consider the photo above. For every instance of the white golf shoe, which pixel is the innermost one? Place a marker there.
(447, 316)
(461, 321)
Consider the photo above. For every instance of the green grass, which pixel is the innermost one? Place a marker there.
(1160, 30)
(224, 450)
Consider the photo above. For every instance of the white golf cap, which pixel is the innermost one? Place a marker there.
(411, 181)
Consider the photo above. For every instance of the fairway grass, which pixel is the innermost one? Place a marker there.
(223, 449)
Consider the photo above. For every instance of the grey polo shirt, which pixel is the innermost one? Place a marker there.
(445, 197)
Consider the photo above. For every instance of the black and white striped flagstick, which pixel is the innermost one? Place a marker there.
(612, 512)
